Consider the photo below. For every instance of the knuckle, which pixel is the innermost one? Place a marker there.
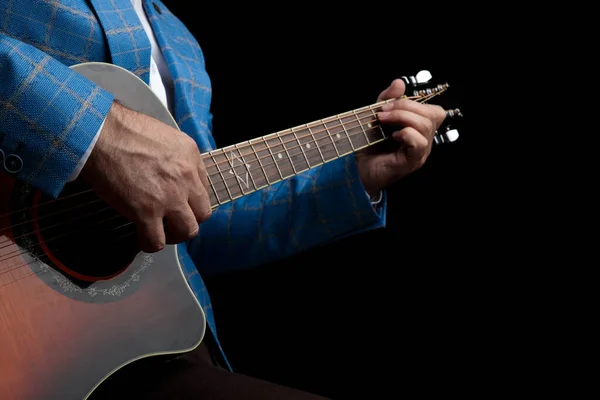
(155, 246)
(150, 208)
(396, 114)
(428, 125)
(191, 233)
(426, 143)
(188, 141)
(205, 215)
(190, 145)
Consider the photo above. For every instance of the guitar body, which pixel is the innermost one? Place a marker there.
(78, 301)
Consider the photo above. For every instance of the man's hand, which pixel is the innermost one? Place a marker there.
(416, 123)
(152, 174)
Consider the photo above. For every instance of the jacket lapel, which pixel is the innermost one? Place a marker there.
(127, 40)
(192, 86)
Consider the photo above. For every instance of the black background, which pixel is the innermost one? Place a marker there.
(379, 314)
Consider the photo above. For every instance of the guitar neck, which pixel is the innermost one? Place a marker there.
(246, 167)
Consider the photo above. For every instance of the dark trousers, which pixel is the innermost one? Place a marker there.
(195, 375)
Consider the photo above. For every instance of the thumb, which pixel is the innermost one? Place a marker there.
(396, 89)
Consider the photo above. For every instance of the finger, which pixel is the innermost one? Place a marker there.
(199, 201)
(416, 145)
(432, 111)
(408, 119)
(395, 90)
(202, 172)
(151, 234)
(181, 225)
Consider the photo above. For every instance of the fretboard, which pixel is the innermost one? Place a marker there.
(246, 167)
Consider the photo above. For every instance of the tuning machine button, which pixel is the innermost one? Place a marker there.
(448, 135)
(421, 78)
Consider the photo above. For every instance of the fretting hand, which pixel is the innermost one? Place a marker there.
(152, 174)
(416, 123)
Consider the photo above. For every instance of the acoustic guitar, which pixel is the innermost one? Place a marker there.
(79, 301)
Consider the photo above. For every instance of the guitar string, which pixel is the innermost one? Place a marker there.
(19, 252)
(296, 139)
(129, 223)
(32, 273)
(225, 175)
(267, 148)
(421, 98)
(220, 172)
(226, 189)
(217, 192)
(223, 178)
(213, 175)
(36, 257)
(71, 232)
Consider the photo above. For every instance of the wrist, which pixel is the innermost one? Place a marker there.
(107, 138)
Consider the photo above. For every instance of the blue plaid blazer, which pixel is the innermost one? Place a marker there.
(51, 114)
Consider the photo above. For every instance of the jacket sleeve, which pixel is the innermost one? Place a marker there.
(319, 206)
(49, 115)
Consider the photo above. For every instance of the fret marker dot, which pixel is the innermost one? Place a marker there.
(280, 156)
(231, 172)
(369, 125)
(337, 135)
(308, 145)
(248, 166)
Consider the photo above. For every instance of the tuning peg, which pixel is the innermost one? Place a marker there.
(456, 113)
(448, 135)
(421, 78)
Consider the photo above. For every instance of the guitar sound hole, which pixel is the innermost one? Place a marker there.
(82, 236)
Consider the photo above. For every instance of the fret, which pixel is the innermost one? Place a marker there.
(232, 186)
(354, 130)
(264, 156)
(361, 123)
(337, 133)
(257, 172)
(266, 160)
(246, 167)
(296, 152)
(285, 146)
(212, 193)
(374, 128)
(282, 162)
(309, 146)
(260, 157)
(219, 195)
(343, 125)
(324, 142)
(317, 144)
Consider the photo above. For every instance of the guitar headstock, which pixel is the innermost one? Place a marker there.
(419, 88)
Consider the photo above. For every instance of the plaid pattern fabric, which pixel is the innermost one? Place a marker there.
(55, 113)
(129, 45)
(48, 113)
(316, 207)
